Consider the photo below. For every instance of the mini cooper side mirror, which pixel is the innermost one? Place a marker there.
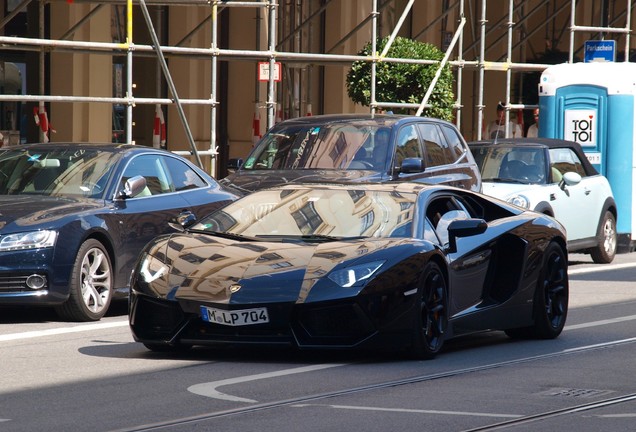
(570, 179)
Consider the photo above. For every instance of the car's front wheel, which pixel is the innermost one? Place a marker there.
(550, 298)
(431, 314)
(605, 251)
(91, 284)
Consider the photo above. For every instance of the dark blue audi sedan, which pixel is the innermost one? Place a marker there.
(74, 217)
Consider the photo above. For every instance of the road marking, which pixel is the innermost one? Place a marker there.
(600, 323)
(605, 267)
(62, 330)
(209, 389)
(406, 410)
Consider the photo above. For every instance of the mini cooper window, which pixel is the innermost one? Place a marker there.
(563, 160)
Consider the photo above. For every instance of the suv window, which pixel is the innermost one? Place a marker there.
(436, 151)
(408, 145)
(456, 146)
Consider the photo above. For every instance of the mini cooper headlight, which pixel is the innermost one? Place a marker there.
(519, 200)
(152, 268)
(28, 240)
(349, 276)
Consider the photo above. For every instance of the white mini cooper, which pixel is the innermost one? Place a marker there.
(553, 177)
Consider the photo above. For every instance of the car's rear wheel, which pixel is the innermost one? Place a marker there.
(605, 251)
(91, 284)
(550, 298)
(431, 312)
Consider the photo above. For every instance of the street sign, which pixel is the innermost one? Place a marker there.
(596, 50)
(263, 71)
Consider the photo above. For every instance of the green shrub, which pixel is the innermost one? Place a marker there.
(403, 82)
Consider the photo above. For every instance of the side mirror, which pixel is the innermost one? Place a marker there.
(234, 163)
(132, 187)
(464, 228)
(570, 179)
(412, 165)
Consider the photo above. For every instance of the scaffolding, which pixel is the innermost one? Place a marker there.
(294, 19)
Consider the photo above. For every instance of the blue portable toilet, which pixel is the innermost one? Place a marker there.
(593, 104)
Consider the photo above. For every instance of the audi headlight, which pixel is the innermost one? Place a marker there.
(28, 240)
(152, 269)
(519, 200)
(350, 276)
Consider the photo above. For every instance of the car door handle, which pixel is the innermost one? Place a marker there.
(587, 191)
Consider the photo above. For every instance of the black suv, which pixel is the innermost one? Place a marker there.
(358, 148)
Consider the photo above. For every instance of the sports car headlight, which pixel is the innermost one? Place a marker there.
(519, 200)
(28, 240)
(152, 268)
(349, 276)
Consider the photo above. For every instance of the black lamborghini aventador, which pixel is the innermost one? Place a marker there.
(399, 266)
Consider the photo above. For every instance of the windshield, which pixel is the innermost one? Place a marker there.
(54, 172)
(339, 145)
(336, 213)
(509, 164)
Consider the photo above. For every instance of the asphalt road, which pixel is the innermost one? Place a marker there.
(58, 376)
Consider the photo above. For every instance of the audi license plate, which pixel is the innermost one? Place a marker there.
(235, 317)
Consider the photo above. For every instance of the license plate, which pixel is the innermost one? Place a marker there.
(234, 317)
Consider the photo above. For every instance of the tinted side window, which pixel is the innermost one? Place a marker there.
(408, 145)
(456, 145)
(183, 177)
(441, 212)
(151, 167)
(436, 150)
(564, 160)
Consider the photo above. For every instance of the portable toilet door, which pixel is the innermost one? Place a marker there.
(593, 104)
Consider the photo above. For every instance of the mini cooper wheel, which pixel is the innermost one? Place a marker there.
(550, 298)
(606, 250)
(91, 284)
(431, 313)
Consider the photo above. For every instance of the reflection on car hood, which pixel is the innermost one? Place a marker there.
(20, 212)
(262, 179)
(214, 269)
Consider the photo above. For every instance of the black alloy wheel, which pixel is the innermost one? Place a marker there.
(550, 299)
(431, 316)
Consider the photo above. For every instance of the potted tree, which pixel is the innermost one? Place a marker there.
(404, 82)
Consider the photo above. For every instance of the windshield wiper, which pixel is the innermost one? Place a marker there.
(227, 235)
(327, 238)
(505, 180)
